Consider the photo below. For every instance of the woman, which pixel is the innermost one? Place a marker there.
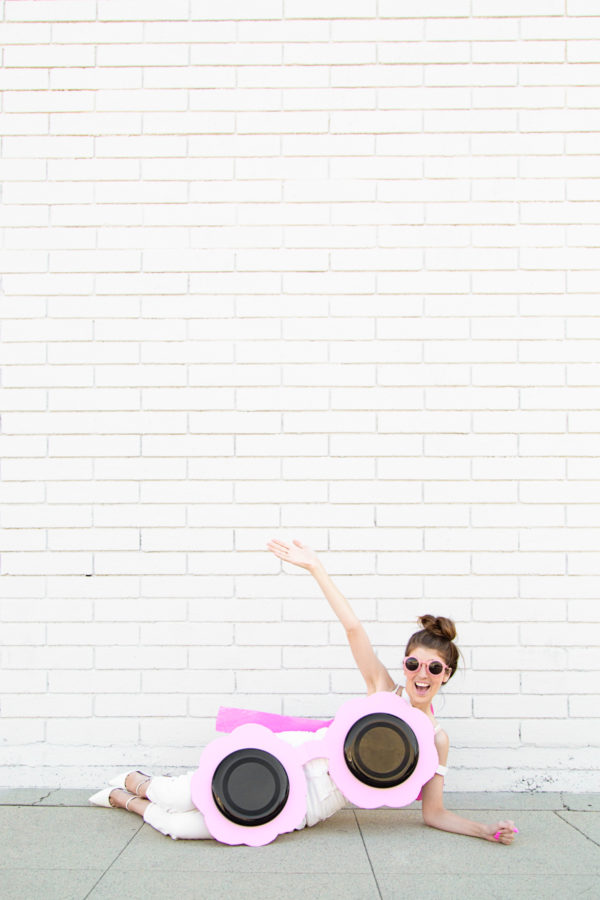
(431, 659)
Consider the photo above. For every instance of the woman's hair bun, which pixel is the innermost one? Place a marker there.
(438, 626)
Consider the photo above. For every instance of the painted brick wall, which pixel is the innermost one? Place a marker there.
(325, 270)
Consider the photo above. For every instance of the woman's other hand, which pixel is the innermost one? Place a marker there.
(502, 832)
(296, 553)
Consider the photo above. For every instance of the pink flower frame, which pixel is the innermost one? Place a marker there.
(222, 829)
(332, 748)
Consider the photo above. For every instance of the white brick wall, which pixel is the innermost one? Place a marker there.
(323, 270)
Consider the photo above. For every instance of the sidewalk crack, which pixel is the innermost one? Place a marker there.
(565, 805)
(368, 857)
(109, 867)
(566, 821)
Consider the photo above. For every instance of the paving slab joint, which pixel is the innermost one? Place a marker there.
(557, 812)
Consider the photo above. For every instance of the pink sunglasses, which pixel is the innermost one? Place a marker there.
(435, 667)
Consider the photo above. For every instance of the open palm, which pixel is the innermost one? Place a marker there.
(296, 552)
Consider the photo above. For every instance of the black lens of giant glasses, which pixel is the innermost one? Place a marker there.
(381, 750)
(435, 667)
(412, 664)
(250, 787)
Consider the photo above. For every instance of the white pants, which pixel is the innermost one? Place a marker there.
(172, 812)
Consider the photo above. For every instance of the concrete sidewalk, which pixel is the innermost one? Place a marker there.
(55, 846)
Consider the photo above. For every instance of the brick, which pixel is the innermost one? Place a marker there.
(92, 491)
(30, 634)
(50, 563)
(566, 733)
(106, 562)
(434, 8)
(93, 539)
(235, 9)
(21, 539)
(125, 609)
(426, 421)
(140, 657)
(91, 633)
(259, 682)
(61, 10)
(186, 539)
(241, 563)
(137, 10)
(146, 705)
(304, 515)
(470, 445)
(584, 610)
(22, 399)
(189, 586)
(18, 681)
(47, 705)
(98, 733)
(582, 658)
(39, 56)
(419, 563)
(407, 468)
(292, 633)
(330, 53)
(557, 683)
(75, 588)
(473, 398)
(13, 609)
(47, 657)
(174, 683)
(311, 705)
(579, 707)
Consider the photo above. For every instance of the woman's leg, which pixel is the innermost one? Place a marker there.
(137, 782)
(188, 825)
(126, 800)
(171, 792)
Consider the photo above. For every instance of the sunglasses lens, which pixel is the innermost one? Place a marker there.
(435, 667)
(412, 664)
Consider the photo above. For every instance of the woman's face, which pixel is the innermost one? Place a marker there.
(420, 685)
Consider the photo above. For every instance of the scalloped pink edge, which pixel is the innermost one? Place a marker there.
(221, 828)
(332, 748)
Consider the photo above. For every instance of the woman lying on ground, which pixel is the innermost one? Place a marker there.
(431, 659)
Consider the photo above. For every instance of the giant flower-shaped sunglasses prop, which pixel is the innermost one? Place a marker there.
(250, 785)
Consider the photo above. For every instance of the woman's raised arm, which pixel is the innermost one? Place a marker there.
(376, 676)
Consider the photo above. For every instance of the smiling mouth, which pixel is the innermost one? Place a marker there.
(421, 687)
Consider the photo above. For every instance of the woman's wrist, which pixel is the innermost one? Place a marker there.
(316, 567)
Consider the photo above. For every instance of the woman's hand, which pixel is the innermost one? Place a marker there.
(502, 832)
(297, 553)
